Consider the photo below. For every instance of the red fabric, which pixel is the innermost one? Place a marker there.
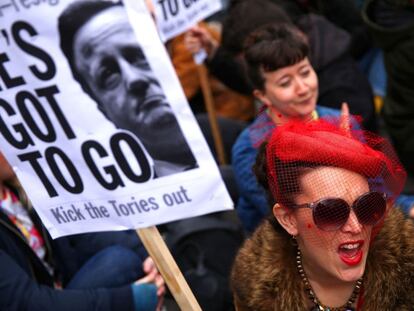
(326, 143)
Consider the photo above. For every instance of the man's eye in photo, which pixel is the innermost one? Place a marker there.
(108, 75)
(136, 57)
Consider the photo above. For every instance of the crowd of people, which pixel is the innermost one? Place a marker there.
(322, 176)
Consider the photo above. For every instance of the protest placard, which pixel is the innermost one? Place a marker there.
(177, 16)
(174, 17)
(94, 121)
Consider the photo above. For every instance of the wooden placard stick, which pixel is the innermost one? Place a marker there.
(159, 252)
(211, 112)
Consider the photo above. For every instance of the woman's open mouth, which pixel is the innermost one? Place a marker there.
(351, 252)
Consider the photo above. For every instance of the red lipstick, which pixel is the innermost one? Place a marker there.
(351, 252)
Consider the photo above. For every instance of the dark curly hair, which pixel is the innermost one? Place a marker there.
(272, 47)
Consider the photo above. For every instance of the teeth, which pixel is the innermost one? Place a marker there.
(350, 246)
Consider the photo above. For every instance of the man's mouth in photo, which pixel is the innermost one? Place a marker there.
(351, 252)
(153, 102)
(148, 102)
(155, 111)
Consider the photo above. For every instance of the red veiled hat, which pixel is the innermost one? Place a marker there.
(325, 142)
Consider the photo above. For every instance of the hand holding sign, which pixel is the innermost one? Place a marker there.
(152, 276)
(198, 38)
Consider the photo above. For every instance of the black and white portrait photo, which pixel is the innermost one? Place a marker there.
(109, 64)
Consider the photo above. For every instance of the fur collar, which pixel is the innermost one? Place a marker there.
(265, 277)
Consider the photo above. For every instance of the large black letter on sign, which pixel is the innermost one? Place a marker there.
(110, 170)
(33, 50)
(21, 99)
(172, 8)
(50, 155)
(49, 93)
(136, 148)
(24, 140)
(4, 75)
(32, 158)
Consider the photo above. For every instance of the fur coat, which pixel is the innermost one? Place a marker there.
(265, 275)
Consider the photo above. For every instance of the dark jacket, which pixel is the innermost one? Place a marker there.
(340, 79)
(343, 13)
(265, 275)
(25, 283)
(393, 30)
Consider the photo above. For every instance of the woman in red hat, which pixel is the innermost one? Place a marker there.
(333, 241)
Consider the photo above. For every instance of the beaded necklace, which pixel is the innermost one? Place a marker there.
(312, 296)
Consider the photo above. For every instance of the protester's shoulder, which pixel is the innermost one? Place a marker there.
(256, 132)
(327, 111)
(242, 143)
(244, 135)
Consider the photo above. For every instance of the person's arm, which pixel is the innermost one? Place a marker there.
(198, 38)
(252, 206)
(18, 292)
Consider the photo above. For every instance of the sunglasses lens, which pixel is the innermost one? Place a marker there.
(370, 208)
(330, 214)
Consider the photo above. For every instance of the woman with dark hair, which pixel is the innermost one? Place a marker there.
(333, 241)
(278, 66)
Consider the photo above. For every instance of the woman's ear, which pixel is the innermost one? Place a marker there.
(286, 218)
(260, 95)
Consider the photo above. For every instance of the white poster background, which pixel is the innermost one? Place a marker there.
(177, 16)
(136, 205)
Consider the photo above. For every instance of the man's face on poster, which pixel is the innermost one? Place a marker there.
(112, 63)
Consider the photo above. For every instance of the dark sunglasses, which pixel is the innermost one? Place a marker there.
(331, 214)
